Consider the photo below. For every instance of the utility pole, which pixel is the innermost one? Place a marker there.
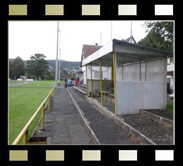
(100, 38)
(59, 65)
(131, 32)
(111, 30)
(56, 66)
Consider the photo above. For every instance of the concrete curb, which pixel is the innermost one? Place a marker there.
(159, 119)
(79, 90)
(86, 122)
(120, 121)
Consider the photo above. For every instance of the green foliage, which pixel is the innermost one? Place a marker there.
(170, 107)
(16, 68)
(37, 66)
(160, 35)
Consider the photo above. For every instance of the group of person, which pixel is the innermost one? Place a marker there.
(76, 81)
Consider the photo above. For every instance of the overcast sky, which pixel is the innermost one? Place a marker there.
(29, 37)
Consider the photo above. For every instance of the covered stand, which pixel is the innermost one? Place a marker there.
(137, 74)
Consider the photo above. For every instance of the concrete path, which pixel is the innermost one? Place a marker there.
(63, 123)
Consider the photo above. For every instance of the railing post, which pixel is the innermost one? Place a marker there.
(49, 102)
(42, 127)
(25, 138)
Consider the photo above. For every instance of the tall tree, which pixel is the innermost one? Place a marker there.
(37, 65)
(16, 68)
(161, 34)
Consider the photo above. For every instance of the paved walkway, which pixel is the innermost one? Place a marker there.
(105, 129)
(63, 123)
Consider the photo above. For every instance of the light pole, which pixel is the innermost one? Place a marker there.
(56, 66)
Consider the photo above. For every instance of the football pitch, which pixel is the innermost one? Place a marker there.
(23, 102)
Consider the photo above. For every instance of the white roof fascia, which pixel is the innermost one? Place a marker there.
(99, 53)
(135, 50)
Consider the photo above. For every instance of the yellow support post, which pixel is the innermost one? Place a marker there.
(49, 102)
(114, 74)
(101, 88)
(42, 126)
(25, 138)
(91, 82)
(86, 82)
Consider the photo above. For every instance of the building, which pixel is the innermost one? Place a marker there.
(139, 76)
(87, 50)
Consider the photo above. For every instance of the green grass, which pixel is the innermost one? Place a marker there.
(170, 107)
(39, 83)
(22, 105)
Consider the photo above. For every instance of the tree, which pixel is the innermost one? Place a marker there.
(161, 34)
(147, 41)
(37, 66)
(16, 68)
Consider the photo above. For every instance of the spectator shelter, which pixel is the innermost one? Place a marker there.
(138, 76)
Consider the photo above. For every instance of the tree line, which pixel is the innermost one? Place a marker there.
(37, 67)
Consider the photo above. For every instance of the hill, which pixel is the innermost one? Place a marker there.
(65, 64)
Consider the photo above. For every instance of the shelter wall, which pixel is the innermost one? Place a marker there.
(154, 71)
(132, 96)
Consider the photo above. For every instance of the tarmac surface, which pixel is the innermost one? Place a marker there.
(63, 123)
(105, 129)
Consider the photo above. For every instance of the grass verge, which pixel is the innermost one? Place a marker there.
(22, 105)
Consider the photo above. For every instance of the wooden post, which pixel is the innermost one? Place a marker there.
(25, 137)
(42, 126)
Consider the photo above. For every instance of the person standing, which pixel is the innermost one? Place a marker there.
(66, 82)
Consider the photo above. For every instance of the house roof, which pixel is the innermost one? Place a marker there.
(88, 50)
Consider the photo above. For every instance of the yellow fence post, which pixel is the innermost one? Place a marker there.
(114, 74)
(86, 82)
(42, 127)
(25, 138)
(101, 88)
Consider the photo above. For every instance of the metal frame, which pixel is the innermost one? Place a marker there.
(91, 81)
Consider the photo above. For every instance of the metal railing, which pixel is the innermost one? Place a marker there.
(24, 132)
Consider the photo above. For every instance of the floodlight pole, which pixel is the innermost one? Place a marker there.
(59, 67)
(56, 66)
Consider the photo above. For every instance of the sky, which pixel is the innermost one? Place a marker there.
(29, 37)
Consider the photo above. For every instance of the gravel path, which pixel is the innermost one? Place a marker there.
(158, 133)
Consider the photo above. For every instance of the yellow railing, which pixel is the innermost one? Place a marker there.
(24, 132)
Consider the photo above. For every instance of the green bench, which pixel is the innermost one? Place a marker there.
(103, 92)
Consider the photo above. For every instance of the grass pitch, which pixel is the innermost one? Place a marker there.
(23, 102)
